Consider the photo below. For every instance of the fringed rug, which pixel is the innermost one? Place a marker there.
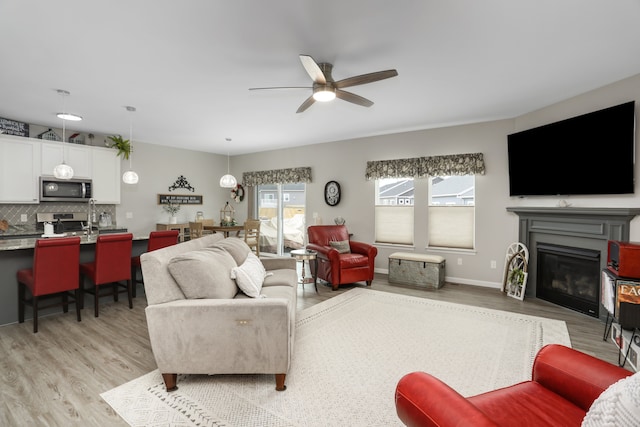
(349, 354)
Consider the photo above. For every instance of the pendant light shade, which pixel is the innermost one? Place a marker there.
(130, 177)
(63, 170)
(228, 180)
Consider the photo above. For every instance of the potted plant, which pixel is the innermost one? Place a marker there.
(122, 145)
(173, 209)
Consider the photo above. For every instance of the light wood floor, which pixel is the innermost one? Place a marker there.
(55, 377)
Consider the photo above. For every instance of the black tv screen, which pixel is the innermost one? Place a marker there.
(589, 154)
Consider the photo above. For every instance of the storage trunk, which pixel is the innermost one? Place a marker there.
(416, 269)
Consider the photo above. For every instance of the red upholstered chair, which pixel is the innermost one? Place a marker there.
(157, 240)
(341, 268)
(54, 273)
(111, 266)
(564, 384)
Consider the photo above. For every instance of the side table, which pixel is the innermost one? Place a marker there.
(307, 255)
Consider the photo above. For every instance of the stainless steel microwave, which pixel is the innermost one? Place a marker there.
(65, 190)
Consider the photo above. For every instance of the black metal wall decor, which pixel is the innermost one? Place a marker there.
(182, 182)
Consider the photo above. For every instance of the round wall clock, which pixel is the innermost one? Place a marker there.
(332, 193)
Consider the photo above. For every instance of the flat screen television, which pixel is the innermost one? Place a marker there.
(585, 155)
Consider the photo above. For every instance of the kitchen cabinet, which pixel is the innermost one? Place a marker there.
(106, 175)
(76, 156)
(19, 170)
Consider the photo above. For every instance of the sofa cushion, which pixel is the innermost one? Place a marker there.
(281, 277)
(618, 405)
(236, 247)
(250, 276)
(204, 273)
(342, 246)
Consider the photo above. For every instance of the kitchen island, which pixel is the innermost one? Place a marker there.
(17, 253)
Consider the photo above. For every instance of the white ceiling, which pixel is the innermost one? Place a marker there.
(187, 65)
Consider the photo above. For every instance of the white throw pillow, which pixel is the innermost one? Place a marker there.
(250, 275)
(618, 405)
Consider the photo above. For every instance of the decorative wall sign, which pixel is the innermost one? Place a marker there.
(182, 182)
(186, 199)
(332, 193)
(13, 127)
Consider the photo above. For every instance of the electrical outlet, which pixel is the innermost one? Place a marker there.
(129, 215)
(459, 261)
(493, 263)
(23, 218)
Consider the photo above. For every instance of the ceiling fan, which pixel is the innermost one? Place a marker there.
(326, 89)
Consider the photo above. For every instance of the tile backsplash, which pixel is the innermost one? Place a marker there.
(13, 213)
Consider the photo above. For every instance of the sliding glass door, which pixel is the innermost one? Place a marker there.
(281, 209)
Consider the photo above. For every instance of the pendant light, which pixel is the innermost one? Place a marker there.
(63, 170)
(130, 177)
(228, 180)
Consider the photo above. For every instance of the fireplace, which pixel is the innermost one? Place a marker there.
(569, 277)
(586, 231)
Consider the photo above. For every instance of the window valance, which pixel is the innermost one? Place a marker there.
(454, 164)
(276, 176)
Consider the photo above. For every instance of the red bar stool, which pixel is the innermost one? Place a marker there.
(54, 273)
(110, 266)
(157, 240)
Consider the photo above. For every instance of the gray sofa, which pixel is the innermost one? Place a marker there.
(201, 323)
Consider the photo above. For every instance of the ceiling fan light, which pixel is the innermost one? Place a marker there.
(228, 181)
(324, 94)
(69, 116)
(63, 171)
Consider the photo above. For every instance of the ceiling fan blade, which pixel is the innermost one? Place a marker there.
(306, 104)
(365, 78)
(313, 69)
(281, 87)
(352, 97)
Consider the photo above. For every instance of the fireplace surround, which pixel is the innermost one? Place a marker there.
(581, 228)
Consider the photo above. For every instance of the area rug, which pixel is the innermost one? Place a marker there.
(350, 351)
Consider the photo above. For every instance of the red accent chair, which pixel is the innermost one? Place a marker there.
(54, 273)
(112, 265)
(157, 240)
(341, 268)
(564, 384)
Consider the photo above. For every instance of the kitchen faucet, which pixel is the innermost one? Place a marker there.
(91, 218)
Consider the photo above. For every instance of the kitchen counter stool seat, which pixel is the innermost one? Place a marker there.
(111, 266)
(54, 273)
(157, 240)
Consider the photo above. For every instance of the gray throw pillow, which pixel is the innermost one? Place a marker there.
(236, 247)
(342, 246)
(204, 274)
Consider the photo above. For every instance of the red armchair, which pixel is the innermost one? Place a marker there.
(341, 268)
(564, 384)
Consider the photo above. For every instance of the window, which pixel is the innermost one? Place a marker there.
(451, 217)
(394, 211)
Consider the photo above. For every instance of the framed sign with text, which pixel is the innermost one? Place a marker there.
(186, 199)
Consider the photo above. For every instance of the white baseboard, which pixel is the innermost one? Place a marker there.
(482, 283)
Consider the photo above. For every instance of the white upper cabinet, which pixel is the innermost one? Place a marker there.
(76, 156)
(19, 170)
(106, 175)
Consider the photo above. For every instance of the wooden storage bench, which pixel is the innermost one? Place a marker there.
(416, 269)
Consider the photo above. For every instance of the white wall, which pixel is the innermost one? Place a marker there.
(345, 162)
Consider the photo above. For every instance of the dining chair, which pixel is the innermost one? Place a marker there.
(195, 230)
(252, 234)
(157, 240)
(111, 266)
(54, 273)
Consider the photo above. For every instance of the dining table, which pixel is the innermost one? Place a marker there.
(225, 229)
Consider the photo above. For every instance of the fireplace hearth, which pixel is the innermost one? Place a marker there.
(569, 277)
(583, 229)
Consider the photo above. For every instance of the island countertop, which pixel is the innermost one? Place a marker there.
(30, 242)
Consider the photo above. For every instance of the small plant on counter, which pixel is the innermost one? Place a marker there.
(122, 145)
(172, 208)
